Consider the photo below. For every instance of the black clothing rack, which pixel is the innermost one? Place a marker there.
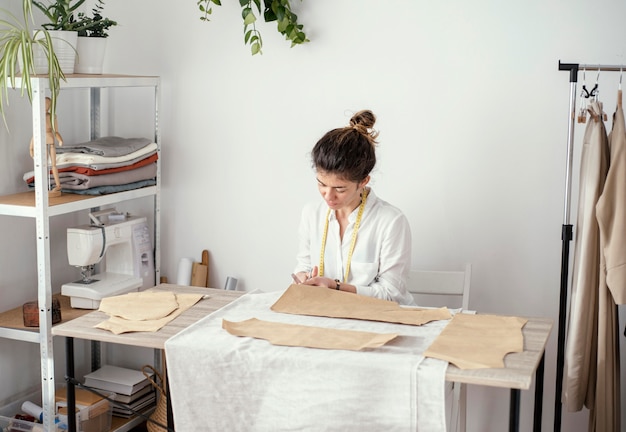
(566, 230)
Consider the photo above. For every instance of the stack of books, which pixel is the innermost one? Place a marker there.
(133, 392)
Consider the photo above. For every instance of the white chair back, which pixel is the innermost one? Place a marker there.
(441, 288)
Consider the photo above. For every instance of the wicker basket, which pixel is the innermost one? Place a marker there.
(160, 413)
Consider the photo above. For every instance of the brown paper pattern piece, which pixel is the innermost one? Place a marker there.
(321, 301)
(307, 336)
(119, 325)
(139, 306)
(478, 341)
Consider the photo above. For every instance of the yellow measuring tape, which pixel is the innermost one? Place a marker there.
(354, 233)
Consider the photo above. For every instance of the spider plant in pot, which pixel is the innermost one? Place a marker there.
(20, 45)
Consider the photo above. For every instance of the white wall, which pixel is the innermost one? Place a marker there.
(473, 118)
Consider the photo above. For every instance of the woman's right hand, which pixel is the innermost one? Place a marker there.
(305, 276)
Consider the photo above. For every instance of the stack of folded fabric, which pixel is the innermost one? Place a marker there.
(105, 165)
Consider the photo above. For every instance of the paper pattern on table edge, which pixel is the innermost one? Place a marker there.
(478, 341)
(297, 335)
(119, 325)
(140, 306)
(321, 301)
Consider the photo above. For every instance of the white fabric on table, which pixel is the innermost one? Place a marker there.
(220, 382)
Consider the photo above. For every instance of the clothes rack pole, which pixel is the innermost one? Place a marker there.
(566, 237)
(566, 230)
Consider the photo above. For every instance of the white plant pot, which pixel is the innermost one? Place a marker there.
(64, 45)
(90, 55)
(40, 61)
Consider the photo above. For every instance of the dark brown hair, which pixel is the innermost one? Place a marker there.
(349, 152)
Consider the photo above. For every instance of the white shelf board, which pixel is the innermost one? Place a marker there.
(95, 81)
(20, 335)
(82, 202)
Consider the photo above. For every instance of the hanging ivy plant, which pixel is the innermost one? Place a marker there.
(272, 10)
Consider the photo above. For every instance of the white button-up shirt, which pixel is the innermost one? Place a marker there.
(382, 254)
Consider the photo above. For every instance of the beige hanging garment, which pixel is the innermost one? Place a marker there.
(611, 215)
(581, 343)
(611, 210)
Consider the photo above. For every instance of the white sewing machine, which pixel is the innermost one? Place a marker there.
(128, 265)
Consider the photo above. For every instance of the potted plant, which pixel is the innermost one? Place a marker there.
(60, 13)
(96, 25)
(273, 10)
(63, 27)
(91, 42)
(19, 45)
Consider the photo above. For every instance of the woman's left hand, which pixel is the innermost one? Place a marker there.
(320, 281)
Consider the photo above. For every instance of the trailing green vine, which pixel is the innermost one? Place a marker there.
(272, 10)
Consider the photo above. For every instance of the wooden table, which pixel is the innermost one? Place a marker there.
(83, 328)
(518, 374)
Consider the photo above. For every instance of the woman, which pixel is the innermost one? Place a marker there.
(353, 241)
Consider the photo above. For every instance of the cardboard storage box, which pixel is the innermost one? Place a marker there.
(93, 411)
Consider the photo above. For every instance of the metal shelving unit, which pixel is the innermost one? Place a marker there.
(39, 206)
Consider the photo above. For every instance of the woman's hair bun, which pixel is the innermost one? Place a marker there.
(363, 121)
